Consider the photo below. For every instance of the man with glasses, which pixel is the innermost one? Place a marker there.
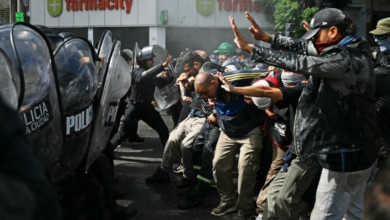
(335, 121)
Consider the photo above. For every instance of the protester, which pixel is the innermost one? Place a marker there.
(240, 132)
(337, 103)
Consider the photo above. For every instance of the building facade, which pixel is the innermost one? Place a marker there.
(173, 24)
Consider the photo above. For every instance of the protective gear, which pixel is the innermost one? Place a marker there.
(77, 76)
(38, 98)
(8, 91)
(115, 84)
(145, 54)
(384, 45)
(225, 49)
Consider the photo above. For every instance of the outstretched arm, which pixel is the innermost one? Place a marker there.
(255, 91)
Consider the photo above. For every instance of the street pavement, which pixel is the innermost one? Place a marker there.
(136, 161)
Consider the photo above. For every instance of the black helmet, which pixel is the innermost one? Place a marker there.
(127, 54)
(145, 54)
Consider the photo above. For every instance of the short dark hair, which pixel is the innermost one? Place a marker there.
(189, 57)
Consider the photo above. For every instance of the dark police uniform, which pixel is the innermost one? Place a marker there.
(140, 106)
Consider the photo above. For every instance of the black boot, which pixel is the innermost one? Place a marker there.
(160, 176)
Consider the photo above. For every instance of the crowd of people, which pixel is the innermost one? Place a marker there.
(317, 104)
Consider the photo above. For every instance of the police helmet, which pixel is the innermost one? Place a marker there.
(145, 54)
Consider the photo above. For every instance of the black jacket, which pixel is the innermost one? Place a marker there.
(144, 82)
(336, 109)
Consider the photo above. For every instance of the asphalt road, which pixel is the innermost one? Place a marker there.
(134, 162)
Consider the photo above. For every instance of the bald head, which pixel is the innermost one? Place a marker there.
(206, 84)
(203, 79)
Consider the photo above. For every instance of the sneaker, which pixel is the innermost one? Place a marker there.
(160, 176)
(179, 169)
(223, 209)
(242, 216)
(184, 183)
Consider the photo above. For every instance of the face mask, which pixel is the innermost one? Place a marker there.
(384, 45)
(321, 46)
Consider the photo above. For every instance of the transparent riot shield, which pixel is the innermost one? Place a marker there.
(136, 50)
(77, 77)
(39, 103)
(8, 91)
(103, 51)
(114, 86)
(168, 95)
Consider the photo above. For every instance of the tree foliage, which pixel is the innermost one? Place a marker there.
(280, 12)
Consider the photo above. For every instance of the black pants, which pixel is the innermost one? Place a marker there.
(204, 147)
(129, 123)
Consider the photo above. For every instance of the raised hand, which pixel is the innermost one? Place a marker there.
(306, 25)
(256, 31)
(167, 61)
(226, 84)
(240, 40)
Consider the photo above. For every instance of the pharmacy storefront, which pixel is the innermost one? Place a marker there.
(173, 24)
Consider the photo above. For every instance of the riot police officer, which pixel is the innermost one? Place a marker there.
(144, 80)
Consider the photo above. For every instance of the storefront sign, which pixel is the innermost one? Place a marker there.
(89, 5)
(54, 7)
(239, 5)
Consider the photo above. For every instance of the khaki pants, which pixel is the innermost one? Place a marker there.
(285, 192)
(181, 139)
(277, 163)
(249, 146)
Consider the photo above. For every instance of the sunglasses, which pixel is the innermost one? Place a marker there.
(381, 37)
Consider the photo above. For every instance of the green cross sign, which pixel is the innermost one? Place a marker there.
(54, 7)
(205, 7)
(19, 17)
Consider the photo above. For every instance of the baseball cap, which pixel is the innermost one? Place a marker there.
(382, 27)
(225, 49)
(327, 17)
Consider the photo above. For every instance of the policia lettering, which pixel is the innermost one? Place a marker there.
(79, 122)
(89, 5)
(37, 116)
(111, 114)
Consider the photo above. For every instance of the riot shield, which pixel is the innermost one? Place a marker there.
(136, 50)
(168, 95)
(39, 103)
(77, 77)
(114, 86)
(103, 51)
(8, 91)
